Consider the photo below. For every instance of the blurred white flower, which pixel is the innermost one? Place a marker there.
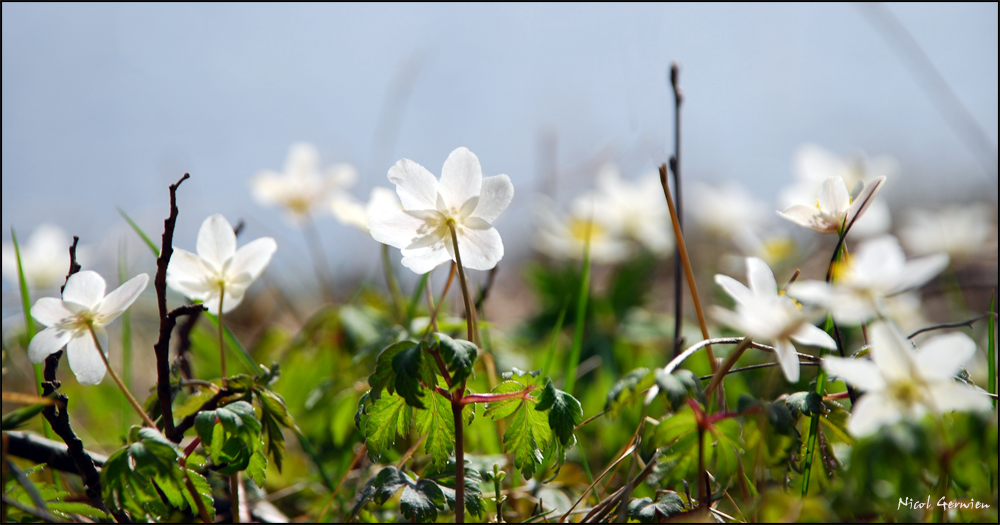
(906, 311)
(773, 246)
(877, 270)
(636, 210)
(727, 210)
(563, 236)
(44, 258)
(959, 231)
(350, 211)
(83, 307)
(463, 197)
(765, 315)
(904, 383)
(219, 270)
(813, 165)
(302, 186)
(835, 208)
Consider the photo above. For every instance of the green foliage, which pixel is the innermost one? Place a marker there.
(679, 386)
(388, 417)
(445, 478)
(22, 416)
(232, 436)
(805, 403)
(644, 510)
(421, 499)
(54, 498)
(529, 430)
(413, 370)
(458, 355)
(626, 390)
(438, 424)
(565, 412)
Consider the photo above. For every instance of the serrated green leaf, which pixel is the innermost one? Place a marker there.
(645, 511)
(501, 409)
(204, 425)
(527, 434)
(678, 386)
(459, 356)
(387, 417)
(804, 403)
(79, 509)
(384, 377)
(625, 389)
(231, 423)
(257, 468)
(515, 371)
(204, 490)
(170, 488)
(420, 502)
(409, 365)
(565, 412)
(437, 423)
(674, 426)
(445, 478)
(362, 409)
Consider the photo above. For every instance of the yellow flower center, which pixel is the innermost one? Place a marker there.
(582, 229)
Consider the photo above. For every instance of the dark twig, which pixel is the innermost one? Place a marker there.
(162, 346)
(188, 422)
(675, 168)
(40, 450)
(73, 265)
(967, 323)
(757, 367)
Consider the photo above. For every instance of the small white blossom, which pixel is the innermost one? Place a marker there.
(959, 231)
(349, 211)
(727, 210)
(835, 208)
(83, 307)
(813, 165)
(905, 383)
(44, 258)
(302, 186)
(219, 269)
(877, 270)
(463, 198)
(564, 236)
(767, 316)
(636, 210)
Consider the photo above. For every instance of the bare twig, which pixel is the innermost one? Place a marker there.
(967, 323)
(675, 168)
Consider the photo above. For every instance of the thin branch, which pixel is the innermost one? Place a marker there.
(39, 450)
(967, 323)
(675, 168)
(757, 367)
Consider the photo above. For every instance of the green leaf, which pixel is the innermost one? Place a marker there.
(420, 500)
(384, 377)
(257, 468)
(204, 490)
(458, 355)
(565, 412)
(409, 365)
(21, 416)
(672, 427)
(387, 417)
(805, 403)
(645, 511)
(515, 371)
(437, 423)
(679, 386)
(29, 322)
(780, 417)
(527, 434)
(79, 509)
(445, 478)
(498, 410)
(625, 389)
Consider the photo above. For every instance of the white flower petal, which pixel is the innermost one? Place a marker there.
(47, 342)
(119, 300)
(85, 288)
(788, 358)
(741, 294)
(879, 259)
(252, 258)
(808, 334)
(50, 311)
(873, 411)
(216, 241)
(918, 271)
(728, 318)
(461, 177)
(481, 249)
(947, 396)
(892, 352)
(349, 211)
(83, 358)
(859, 373)
(234, 296)
(303, 159)
(876, 220)
(268, 187)
(398, 228)
(942, 356)
(188, 274)
(426, 259)
(864, 200)
(760, 278)
(834, 198)
(417, 188)
(342, 175)
(806, 216)
(496, 194)
(811, 292)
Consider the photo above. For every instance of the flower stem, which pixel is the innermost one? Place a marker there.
(234, 496)
(727, 365)
(114, 377)
(222, 331)
(470, 311)
(581, 316)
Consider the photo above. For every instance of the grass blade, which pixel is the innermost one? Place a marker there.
(551, 355)
(991, 352)
(581, 314)
(29, 322)
(138, 230)
(411, 309)
(234, 344)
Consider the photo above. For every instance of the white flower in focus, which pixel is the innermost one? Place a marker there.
(727, 210)
(349, 211)
(813, 165)
(83, 307)
(835, 209)
(44, 258)
(877, 270)
(959, 231)
(302, 186)
(765, 315)
(219, 269)
(635, 210)
(563, 236)
(463, 197)
(906, 383)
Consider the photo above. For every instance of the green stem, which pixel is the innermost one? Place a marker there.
(581, 314)
(991, 350)
(222, 332)
(114, 377)
(411, 309)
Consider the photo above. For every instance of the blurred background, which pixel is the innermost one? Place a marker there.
(105, 105)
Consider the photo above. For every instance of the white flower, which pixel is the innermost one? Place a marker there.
(635, 210)
(765, 315)
(44, 258)
(463, 197)
(301, 186)
(349, 211)
(959, 231)
(813, 165)
(904, 383)
(563, 236)
(219, 268)
(835, 209)
(877, 270)
(727, 210)
(83, 307)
